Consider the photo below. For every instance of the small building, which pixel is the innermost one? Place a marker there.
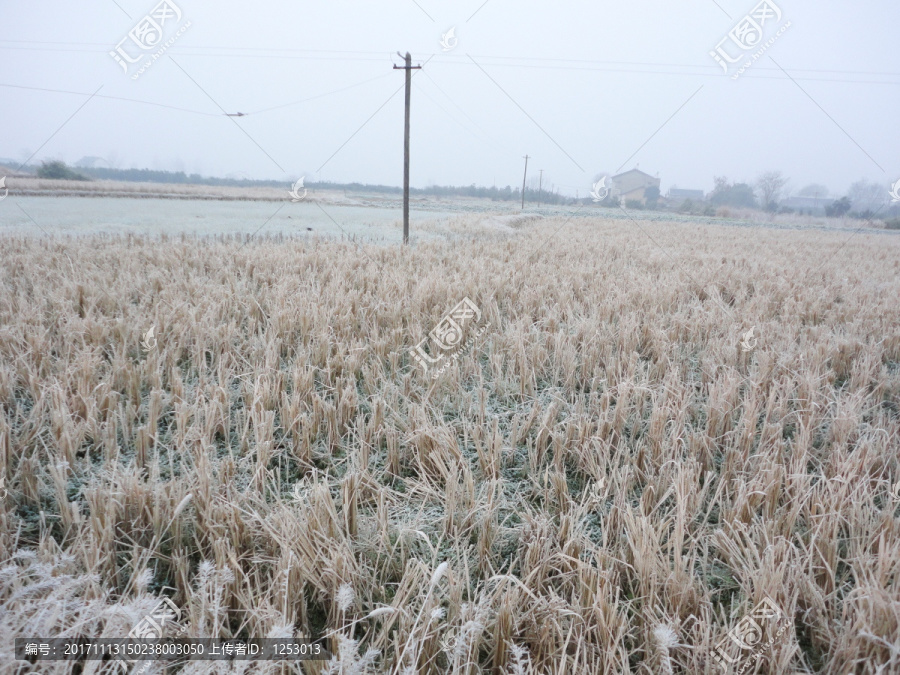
(680, 194)
(632, 184)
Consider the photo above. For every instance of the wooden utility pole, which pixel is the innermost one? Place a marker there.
(408, 68)
(540, 186)
(523, 182)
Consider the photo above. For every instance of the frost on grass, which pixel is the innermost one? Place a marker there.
(348, 661)
(346, 597)
(606, 482)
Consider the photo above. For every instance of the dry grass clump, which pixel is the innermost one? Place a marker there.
(607, 482)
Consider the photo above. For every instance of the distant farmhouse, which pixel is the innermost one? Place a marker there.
(680, 194)
(631, 185)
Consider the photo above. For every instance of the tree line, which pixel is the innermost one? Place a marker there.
(59, 170)
(864, 199)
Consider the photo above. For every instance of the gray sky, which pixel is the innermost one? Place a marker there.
(600, 78)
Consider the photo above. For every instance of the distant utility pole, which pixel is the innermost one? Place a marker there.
(408, 68)
(523, 182)
(540, 186)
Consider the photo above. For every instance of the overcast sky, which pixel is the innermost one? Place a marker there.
(584, 88)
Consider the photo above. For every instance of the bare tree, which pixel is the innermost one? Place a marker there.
(866, 196)
(769, 186)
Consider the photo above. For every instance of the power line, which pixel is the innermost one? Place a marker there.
(465, 114)
(376, 56)
(482, 139)
(216, 103)
(678, 65)
(478, 137)
(105, 45)
(277, 53)
(368, 120)
(313, 98)
(525, 112)
(188, 110)
(713, 73)
(113, 98)
(68, 119)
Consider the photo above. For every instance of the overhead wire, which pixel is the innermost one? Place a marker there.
(465, 114)
(531, 62)
(452, 117)
(189, 110)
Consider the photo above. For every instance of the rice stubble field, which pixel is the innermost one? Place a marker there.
(612, 476)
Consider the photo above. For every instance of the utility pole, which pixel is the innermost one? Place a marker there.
(523, 182)
(540, 186)
(408, 68)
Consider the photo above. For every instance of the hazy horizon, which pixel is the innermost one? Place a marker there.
(582, 90)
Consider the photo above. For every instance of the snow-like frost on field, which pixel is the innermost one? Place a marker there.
(82, 216)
